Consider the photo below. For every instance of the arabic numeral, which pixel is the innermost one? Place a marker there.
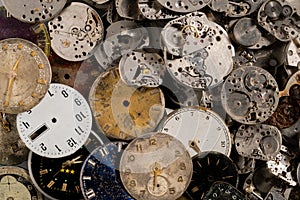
(79, 130)
(43, 147)
(51, 95)
(29, 112)
(57, 148)
(64, 93)
(71, 142)
(29, 187)
(80, 116)
(223, 144)
(77, 102)
(177, 118)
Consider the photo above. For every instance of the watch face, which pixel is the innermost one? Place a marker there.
(32, 11)
(15, 183)
(155, 166)
(100, 178)
(210, 167)
(12, 149)
(76, 32)
(223, 191)
(59, 125)
(25, 75)
(199, 130)
(37, 33)
(125, 112)
(58, 178)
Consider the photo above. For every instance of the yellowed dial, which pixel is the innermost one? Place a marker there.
(156, 166)
(125, 112)
(25, 75)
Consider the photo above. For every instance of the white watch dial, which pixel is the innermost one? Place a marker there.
(59, 125)
(199, 130)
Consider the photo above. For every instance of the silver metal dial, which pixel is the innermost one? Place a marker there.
(198, 129)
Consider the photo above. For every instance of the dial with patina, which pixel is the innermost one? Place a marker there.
(125, 112)
(25, 75)
(156, 166)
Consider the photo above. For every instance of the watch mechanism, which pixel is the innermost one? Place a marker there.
(150, 99)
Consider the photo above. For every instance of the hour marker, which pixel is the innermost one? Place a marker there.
(103, 151)
(34, 95)
(20, 46)
(67, 171)
(33, 53)
(90, 193)
(21, 103)
(72, 171)
(195, 189)
(6, 103)
(87, 178)
(42, 81)
(41, 66)
(42, 129)
(77, 188)
(5, 47)
(50, 184)
(91, 162)
(64, 187)
(45, 171)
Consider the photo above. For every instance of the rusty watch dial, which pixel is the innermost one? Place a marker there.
(125, 112)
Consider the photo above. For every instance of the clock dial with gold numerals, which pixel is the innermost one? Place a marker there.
(125, 112)
(58, 178)
(15, 183)
(156, 166)
(25, 75)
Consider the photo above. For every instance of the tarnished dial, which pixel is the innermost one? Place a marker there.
(260, 141)
(25, 75)
(59, 125)
(210, 167)
(156, 166)
(12, 149)
(32, 11)
(125, 112)
(250, 95)
(100, 177)
(58, 178)
(198, 129)
(75, 32)
(15, 183)
(12, 28)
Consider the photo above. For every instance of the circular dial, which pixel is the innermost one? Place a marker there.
(58, 178)
(59, 125)
(15, 183)
(250, 95)
(32, 11)
(125, 112)
(100, 178)
(155, 166)
(198, 129)
(25, 75)
(12, 28)
(210, 167)
(75, 32)
(12, 149)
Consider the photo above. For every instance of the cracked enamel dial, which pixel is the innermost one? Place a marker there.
(156, 166)
(59, 125)
(125, 112)
(25, 75)
(15, 183)
(198, 129)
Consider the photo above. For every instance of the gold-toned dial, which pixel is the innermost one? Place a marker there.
(156, 166)
(25, 75)
(125, 112)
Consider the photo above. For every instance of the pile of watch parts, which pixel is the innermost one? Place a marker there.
(150, 99)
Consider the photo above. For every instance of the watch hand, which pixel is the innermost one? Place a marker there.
(11, 81)
(70, 162)
(194, 145)
(156, 170)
